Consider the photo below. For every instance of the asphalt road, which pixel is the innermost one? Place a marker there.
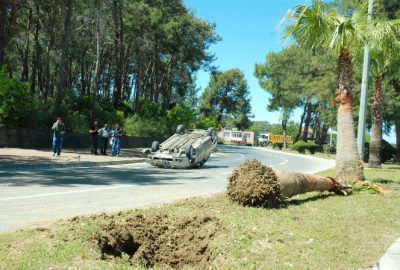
(34, 198)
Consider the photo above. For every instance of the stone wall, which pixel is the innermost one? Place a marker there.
(42, 138)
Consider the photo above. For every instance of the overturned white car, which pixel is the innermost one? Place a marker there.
(187, 148)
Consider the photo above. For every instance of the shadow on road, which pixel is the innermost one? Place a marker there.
(96, 176)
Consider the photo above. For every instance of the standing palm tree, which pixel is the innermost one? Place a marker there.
(316, 27)
(383, 57)
(313, 26)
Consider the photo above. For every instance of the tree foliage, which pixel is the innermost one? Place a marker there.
(106, 59)
(307, 81)
(227, 98)
(16, 102)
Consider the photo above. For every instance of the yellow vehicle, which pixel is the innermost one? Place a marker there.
(279, 139)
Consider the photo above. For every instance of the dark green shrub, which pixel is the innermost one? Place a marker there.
(143, 127)
(312, 147)
(319, 148)
(277, 145)
(300, 147)
(16, 101)
(388, 152)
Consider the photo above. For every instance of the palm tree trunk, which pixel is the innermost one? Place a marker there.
(375, 144)
(293, 184)
(349, 167)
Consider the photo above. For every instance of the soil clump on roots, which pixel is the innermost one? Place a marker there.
(160, 240)
(254, 184)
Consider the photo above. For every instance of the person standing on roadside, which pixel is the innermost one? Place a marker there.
(94, 131)
(117, 134)
(104, 137)
(58, 129)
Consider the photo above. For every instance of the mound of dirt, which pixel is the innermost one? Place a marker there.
(254, 184)
(160, 240)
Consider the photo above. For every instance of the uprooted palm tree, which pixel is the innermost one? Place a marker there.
(254, 184)
(315, 26)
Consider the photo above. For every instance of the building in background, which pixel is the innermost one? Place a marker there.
(236, 137)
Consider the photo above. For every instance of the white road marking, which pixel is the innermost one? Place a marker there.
(284, 161)
(62, 193)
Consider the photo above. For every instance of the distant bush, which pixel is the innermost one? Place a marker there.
(312, 147)
(181, 115)
(206, 122)
(142, 127)
(388, 152)
(300, 147)
(277, 145)
(16, 101)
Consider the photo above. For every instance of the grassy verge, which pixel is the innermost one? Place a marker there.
(312, 231)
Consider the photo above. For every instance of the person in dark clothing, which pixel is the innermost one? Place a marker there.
(94, 131)
(104, 137)
(58, 129)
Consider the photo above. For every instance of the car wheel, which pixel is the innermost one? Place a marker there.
(201, 163)
(211, 132)
(180, 129)
(190, 152)
(155, 146)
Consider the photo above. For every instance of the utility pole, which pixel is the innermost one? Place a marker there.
(364, 90)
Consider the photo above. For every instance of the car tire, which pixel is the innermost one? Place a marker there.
(201, 163)
(180, 129)
(211, 132)
(155, 146)
(189, 151)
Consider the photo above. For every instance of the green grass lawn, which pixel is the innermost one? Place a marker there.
(312, 231)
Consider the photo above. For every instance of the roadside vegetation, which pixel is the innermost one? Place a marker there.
(311, 231)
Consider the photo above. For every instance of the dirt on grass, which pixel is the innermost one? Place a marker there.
(160, 240)
(254, 184)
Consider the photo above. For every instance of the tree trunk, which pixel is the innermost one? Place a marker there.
(36, 57)
(7, 30)
(324, 134)
(284, 133)
(119, 45)
(301, 124)
(25, 62)
(375, 144)
(293, 184)
(349, 167)
(397, 124)
(315, 127)
(95, 87)
(139, 74)
(307, 121)
(60, 82)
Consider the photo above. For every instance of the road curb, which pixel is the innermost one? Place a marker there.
(33, 167)
(391, 259)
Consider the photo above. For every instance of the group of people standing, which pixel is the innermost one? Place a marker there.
(107, 136)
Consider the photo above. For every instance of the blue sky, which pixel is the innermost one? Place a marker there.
(249, 31)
